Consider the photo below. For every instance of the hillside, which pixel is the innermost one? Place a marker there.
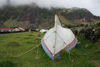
(34, 17)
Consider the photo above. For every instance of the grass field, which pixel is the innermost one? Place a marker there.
(86, 54)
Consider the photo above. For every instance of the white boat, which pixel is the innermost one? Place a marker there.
(58, 39)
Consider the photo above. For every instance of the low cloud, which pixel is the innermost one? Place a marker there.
(91, 5)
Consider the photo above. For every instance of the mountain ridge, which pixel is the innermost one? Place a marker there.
(34, 17)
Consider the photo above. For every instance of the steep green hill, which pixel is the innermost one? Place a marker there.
(34, 17)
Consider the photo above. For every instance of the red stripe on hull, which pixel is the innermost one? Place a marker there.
(68, 46)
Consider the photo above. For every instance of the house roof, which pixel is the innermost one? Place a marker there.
(6, 28)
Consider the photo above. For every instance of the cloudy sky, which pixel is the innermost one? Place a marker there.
(91, 5)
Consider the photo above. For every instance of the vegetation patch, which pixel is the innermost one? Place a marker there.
(6, 64)
(12, 44)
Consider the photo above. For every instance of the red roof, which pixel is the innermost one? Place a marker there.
(6, 28)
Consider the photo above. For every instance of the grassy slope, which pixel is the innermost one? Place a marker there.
(66, 21)
(47, 23)
(12, 45)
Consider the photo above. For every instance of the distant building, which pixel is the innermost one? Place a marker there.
(83, 21)
(43, 31)
(19, 29)
(6, 29)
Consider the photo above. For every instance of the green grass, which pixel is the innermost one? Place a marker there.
(12, 45)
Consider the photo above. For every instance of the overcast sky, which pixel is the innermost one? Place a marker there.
(91, 5)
